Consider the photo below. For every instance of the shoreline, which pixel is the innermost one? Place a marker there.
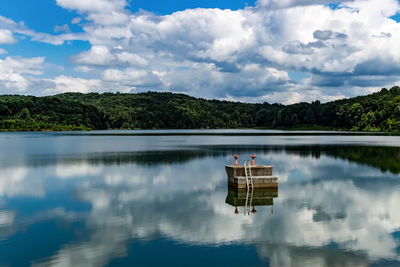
(209, 132)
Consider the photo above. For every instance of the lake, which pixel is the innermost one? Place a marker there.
(113, 198)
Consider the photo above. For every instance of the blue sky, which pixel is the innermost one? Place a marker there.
(265, 50)
(42, 15)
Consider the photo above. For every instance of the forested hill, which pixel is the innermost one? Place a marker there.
(151, 110)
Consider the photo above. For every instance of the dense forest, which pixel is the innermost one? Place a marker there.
(152, 110)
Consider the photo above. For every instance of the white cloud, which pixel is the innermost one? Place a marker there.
(132, 59)
(62, 28)
(292, 3)
(131, 77)
(7, 25)
(109, 18)
(101, 11)
(76, 20)
(93, 5)
(97, 55)
(56, 39)
(64, 83)
(83, 69)
(6, 37)
(16, 73)
(23, 75)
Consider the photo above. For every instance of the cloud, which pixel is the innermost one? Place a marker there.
(296, 47)
(322, 35)
(83, 69)
(131, 77)
(97, 55)
(6, 37)
(62, 28)
(64, 83)
(131, 59)
(76, 20)
(383, 35)
(16, 73)
(24, 75)
(8, 26)
(93, 5)
(104, 56)
(327, 34)
(276, 4)
(55, 39)
(207, 79)
(101, 11)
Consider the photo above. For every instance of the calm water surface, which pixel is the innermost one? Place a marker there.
(96, 200)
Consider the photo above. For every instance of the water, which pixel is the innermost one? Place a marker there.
(95, 200)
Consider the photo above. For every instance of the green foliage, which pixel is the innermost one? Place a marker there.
(151, 110)
(28, 113)
(385, 158)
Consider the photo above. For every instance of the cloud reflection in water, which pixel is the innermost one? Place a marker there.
(330, 209)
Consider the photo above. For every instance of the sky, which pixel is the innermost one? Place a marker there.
(284, 51)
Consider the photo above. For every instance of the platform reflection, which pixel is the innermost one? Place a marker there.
(248, 200)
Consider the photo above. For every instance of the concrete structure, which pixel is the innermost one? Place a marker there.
(261, 174)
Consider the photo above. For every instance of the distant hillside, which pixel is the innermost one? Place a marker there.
(75, 111)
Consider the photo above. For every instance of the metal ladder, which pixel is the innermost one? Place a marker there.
(249, 177)
(249, 187)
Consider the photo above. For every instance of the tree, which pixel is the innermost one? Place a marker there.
(309, 118)
(24, 114)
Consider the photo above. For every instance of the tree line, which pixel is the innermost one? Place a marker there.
(153, 110)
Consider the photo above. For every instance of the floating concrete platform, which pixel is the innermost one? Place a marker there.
(262, 176)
